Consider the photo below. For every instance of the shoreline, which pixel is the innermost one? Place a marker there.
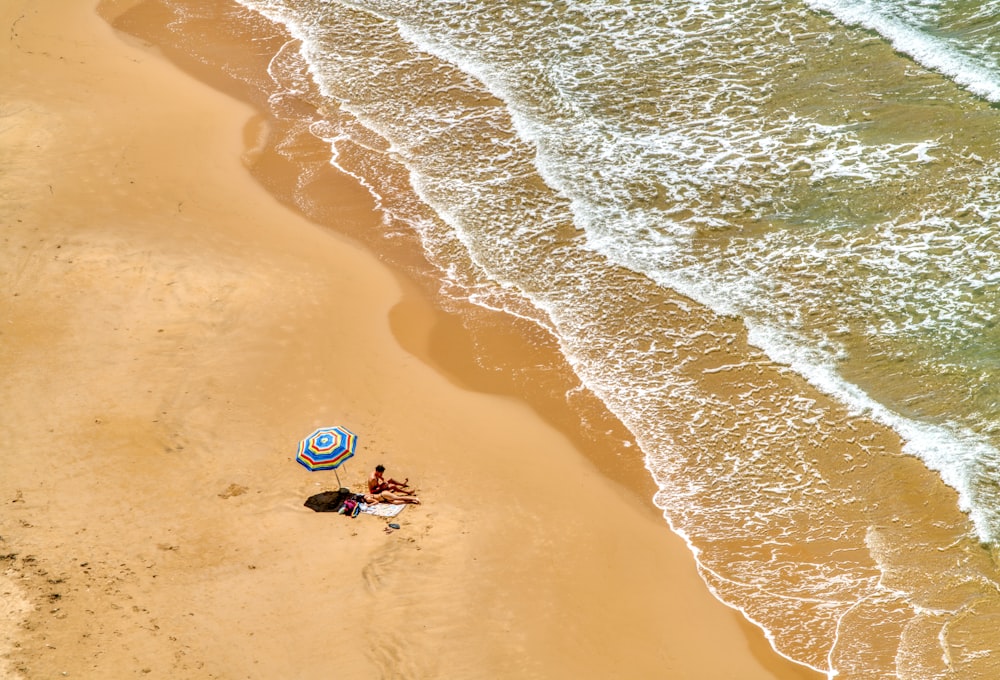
(115, 612)
(483, 350)
(475, 348)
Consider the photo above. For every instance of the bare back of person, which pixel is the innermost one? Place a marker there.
(377, 483)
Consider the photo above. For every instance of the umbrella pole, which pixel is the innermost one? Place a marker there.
(339, 485)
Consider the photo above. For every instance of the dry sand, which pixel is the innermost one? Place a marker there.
(169, 330)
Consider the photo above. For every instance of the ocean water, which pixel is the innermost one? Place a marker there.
(654, 181)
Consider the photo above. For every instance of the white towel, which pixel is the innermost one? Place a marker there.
(382, 509)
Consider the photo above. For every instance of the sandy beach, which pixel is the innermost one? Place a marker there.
(169, 330)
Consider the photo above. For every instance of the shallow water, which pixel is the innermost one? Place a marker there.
(821, 176)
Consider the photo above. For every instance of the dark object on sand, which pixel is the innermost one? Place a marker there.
(328, 501)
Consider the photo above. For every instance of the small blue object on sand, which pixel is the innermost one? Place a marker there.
(393, 525)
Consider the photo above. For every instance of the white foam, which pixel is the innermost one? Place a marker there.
(618, 178)
(932, 53)
(958, 455)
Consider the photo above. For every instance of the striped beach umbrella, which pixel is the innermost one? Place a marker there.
(327, 449)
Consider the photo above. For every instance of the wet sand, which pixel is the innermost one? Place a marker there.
(171, 329)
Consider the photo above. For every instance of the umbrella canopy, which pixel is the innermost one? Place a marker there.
(327, 448)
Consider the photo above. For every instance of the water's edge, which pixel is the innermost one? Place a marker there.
(552, 385)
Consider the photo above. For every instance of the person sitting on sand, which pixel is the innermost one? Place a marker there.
(377, 483)
(390, 498)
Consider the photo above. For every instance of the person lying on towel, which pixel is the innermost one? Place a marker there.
(389, 497)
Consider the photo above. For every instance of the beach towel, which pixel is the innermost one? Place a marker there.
(382, 509)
